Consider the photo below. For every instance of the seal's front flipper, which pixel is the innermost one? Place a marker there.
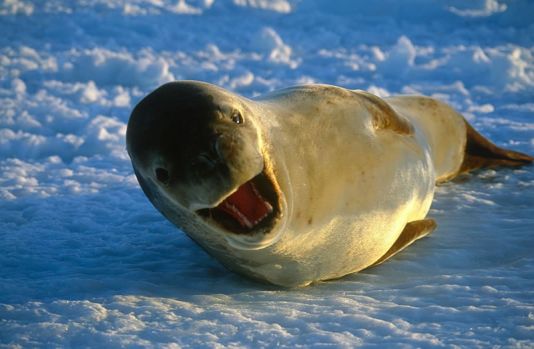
(481, 153)
(412, 231)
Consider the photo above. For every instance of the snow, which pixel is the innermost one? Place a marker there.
(85, 260)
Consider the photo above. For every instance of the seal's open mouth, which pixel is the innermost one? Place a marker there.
(253, 208)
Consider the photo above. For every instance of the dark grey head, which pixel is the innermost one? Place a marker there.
(194, 141)
(196, 144)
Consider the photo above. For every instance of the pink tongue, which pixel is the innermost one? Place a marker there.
(246, 206)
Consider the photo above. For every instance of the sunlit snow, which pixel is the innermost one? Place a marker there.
(86, 261)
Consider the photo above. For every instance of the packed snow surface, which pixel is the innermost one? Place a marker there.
(85, 260)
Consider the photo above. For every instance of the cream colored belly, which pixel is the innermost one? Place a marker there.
(353, 230)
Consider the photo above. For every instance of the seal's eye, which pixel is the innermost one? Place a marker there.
(237, 117)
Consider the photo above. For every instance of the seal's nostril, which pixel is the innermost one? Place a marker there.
(162, 175)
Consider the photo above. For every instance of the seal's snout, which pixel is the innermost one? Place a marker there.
(197, 164)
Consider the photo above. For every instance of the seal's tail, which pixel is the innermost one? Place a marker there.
(481, 153)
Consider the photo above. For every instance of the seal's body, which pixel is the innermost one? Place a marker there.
(304, 184)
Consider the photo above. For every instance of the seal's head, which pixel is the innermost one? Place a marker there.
(196, 147)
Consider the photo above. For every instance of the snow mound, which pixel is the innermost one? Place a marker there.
(268, 41)
(503, 68)
(14, 7)
(116, 68)
(399, 60)
(480, 8)
(281, 6)
(40, 125)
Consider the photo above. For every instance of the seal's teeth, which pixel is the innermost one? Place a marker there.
(265, 215)
(269, 209)
(246, 206)
(242, 218)
(256, 190)
(267, 204)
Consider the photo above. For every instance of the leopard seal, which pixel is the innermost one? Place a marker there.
(303, 184)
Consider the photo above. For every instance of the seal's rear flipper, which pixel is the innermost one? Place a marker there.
(412, 231)
(481, 153)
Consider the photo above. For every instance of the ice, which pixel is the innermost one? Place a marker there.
(272, 44)
(281, 6)
(399, 60)
(85, 259)
(14, 7)
(481, 8)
